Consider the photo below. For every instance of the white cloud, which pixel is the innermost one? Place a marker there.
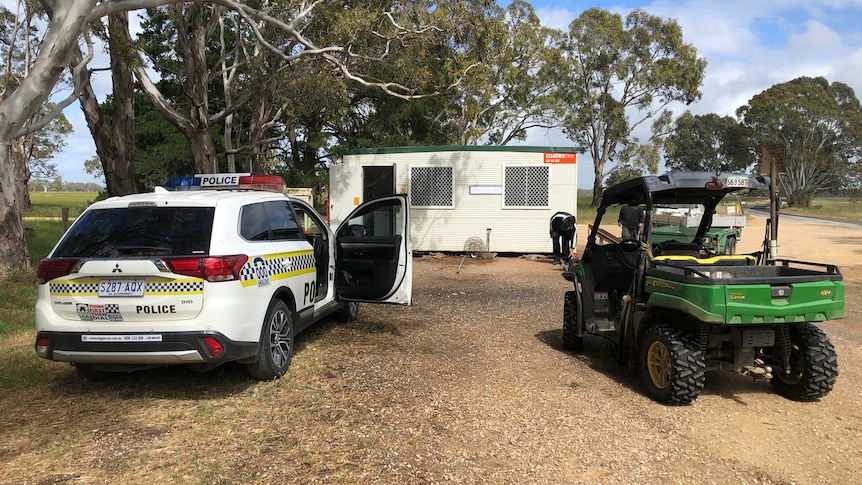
(749, 45)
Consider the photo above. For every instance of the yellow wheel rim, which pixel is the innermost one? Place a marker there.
(659, 364)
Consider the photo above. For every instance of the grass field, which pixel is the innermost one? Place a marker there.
(50, 204)
(44, 219)
(830, 208)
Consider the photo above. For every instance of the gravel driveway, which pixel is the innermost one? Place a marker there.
(469, 385)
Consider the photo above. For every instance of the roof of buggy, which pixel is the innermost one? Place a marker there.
(681, 188)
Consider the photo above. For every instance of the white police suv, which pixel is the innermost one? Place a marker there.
(211, 269)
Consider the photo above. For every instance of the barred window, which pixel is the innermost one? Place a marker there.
(431, 187)
(526, 186)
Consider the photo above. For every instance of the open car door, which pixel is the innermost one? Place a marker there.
(373, 255)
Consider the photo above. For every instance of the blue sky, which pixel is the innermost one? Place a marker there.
(749, 46)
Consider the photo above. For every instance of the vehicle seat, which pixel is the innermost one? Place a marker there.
(673, 248)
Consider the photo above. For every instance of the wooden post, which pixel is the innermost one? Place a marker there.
(773, 162)
(65, 219)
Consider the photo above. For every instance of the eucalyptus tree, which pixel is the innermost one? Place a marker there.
(707, 142)
(820, 125)
(511, 70)
(68, 23)
(620, 74)
(327, 36)
(32, 154)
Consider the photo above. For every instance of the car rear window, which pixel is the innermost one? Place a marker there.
(139, 231)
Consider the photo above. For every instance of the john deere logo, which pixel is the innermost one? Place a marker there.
(737, 296)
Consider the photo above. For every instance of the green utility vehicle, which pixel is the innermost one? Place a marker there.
(681, 222)
(677, 308)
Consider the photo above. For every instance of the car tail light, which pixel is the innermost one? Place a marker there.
(210, 268)
(42, 347)
(215, 347)
(52, 268)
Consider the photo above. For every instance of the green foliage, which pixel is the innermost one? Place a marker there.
(820, 126)
(615, 67)
(707, 142)
(508, 70)
(161, 150)
(621, 173)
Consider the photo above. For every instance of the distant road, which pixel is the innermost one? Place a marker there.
(762, 210)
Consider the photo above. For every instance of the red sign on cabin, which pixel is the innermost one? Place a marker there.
(556, 157)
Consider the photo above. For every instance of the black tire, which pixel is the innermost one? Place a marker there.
(571, 339)
(349, 313)
(276, 343)
(730, 246)
(672, 365)
(813, 365)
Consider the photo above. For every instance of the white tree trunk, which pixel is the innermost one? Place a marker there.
(68, 20)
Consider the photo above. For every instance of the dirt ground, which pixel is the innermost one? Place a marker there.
(469, 385)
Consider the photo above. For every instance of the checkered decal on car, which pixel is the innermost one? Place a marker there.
(91, 288)
(179, 287)
(261, 270)
(71, 288)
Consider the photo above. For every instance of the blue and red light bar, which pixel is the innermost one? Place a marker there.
(226, 181)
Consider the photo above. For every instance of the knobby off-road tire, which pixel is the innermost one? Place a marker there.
(813, 365)
(672, 365)
(571, 339)
(276, 343)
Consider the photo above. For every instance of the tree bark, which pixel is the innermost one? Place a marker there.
(115, 144)
(21, 158)
(66, 24)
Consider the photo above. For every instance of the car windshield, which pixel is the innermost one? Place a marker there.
(139, 231)
(675, 222)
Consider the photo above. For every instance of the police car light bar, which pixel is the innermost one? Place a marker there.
(226, 181)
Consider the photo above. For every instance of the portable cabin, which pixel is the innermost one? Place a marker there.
(501, 196)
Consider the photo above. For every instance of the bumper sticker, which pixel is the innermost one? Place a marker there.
(102, 313)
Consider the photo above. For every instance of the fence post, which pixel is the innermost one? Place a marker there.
(65, 219)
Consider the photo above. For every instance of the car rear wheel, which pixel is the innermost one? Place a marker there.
(276, 343)
(813, 365)
(730, 246)
(672, 365)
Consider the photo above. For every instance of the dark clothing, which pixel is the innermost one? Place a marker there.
(562, 232)
(631, 219)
